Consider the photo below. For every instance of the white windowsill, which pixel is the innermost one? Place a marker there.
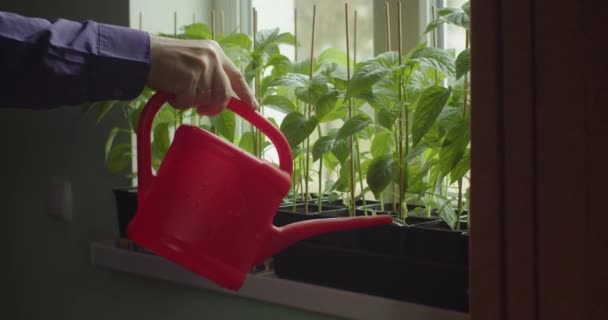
(269, 288)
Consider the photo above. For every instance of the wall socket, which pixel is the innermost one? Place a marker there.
(59, 201)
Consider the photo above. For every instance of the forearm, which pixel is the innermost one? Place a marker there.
(49, 64)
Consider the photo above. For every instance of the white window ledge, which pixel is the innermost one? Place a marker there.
(269, 288)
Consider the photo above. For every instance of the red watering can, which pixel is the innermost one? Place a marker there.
(210, 206)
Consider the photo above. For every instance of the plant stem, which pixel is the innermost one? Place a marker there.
(459, 211)
(320, 205)
(361, 175)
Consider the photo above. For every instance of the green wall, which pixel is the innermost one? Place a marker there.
(46, 267)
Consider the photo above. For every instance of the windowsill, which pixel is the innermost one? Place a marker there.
(269, 288)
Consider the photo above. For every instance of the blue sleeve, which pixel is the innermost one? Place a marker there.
(47, 64)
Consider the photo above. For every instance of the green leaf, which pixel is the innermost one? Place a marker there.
(365, 77)
(280, 65)
(463, 63)
(225, 124)
(300, 67)
(454, 146)
(297, 128)
(390, 59)
(197, 31)
(234, 40)
(466, 7)
(447, 212)
(110, 141)
(455, 16)
(416, 151)
(387, 118)
(353, 125)
(326, 104)
(293, 80)
(337, 113)
(106, 106)
(323, 145)
(280, 103)
(434, 25)
(330, 162)
(119, 157)
(463, 166)
(332, 55)
(268, 40)
(246, 141)
(428, 108)
(382, 144)
(341, 151)
(161, 141)
(449, 117)
(436, 58)
(316, 88)
(379, 174)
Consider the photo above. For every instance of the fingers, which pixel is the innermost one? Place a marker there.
(239, 84)
(198, 74)
(220, 94)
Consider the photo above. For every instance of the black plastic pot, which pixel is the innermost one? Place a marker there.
(392, 261)
(126, 206)
(389, 274)
(437, 242)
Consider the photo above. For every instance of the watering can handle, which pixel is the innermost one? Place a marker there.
(144, 130)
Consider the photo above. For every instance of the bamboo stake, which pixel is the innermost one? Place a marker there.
(309, 110)
(355, 39)
(140, 20)
(213, 24)
(222, 19)
(434, 40)
(402, 115)
(388, 26)
(464, 114)
(256, 136)
(350, 115)
(356, 138)
(195, 119)
(295, 59)
(178, 120)
(295, 34)
(396, 135)
(175, 23)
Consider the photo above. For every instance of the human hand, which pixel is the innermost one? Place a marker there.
(197, 73)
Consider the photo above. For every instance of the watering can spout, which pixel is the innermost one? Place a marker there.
(283, 237)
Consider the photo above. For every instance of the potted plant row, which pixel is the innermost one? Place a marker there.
(388, 135)
(418, 132)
